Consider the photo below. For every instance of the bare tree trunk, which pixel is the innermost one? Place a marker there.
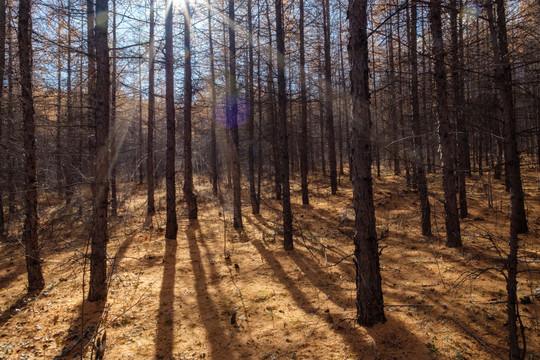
(213, 142)
(69, 163)
(151, 206)
(282, 115)
(191, 199)
(329, 98)
(98, 258)
(369, 297)
(303, 114)
(30, 232)
(172, 223)
(462, 150)
(2, 67)
(518, 220)
(232, 120)
(453, 234)
(417, 133)
(10, 122)
(59, 117)
(251, 117)
(503, 81)
(114, 84)
(394, 148)
(91, 23)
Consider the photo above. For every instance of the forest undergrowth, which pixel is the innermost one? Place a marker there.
(219, 293)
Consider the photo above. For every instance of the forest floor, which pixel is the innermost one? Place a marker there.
(216, 293)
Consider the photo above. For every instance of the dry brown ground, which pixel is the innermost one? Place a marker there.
(176, 300)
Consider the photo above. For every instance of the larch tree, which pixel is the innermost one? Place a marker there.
(172, 223)
(213, 140)
(303, 109)
(150, 168)
(446, 138)
(2, 67)
(31, 222)
(282, 116)
(232, 121)
(369, 296)
(255, 205)
(422, 184)
(98, 258)
(189, 195)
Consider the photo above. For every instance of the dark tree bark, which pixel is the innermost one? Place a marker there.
(91, 116)
(369, 297)
(453, 234)
(10, 122)
(114, 85)
(232, 121)
(98, 258)
(151, 206)
(191, 199)
(282, 115)
(394, 148)
(462, 150)
(422, 184)
(503, 82)
(70, 123)
(329, 98)
(303, 112)
(213, 142)
(59, 117)
(30, 232)
(251, 117)
(518, 220)
(172, 223)
(2, 67)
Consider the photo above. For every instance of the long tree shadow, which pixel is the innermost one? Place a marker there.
(83, 331)
(16, 307)
(217, 338)
(82, 334)
(350, 333)
(164, 343)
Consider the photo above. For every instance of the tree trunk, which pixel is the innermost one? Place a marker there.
(329, 98)
(232, 120)
(369, 297)
(303, 110)
(213, 142)
(453, 235)
(282, 115)
(114, 83)
(191, 199)
(172, 223)
(30, 232)
(462, 150)
(422, 184)
(2, 67)
(151, 207)
(98, 259)
(503, 82)
(251, 117)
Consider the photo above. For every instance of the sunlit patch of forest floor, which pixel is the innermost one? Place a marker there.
(217, 293)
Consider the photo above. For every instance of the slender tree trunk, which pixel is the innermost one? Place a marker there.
(10, 123)
(191, 199)
(98, 259)
(172, 223)
(417, 133)
(69, 163)
(518, 220)
(233, 121)
(303, 112)
(114, 84)
(2, 118)
(151, 206)
(462, 150)
(213, 142)
(369, 297)
(282, 115)
(59, 117)
(503, 81)
(91, 23)
(394, 149)
(30, 232)
(453, 234)
(251, 117)
(329, 98)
